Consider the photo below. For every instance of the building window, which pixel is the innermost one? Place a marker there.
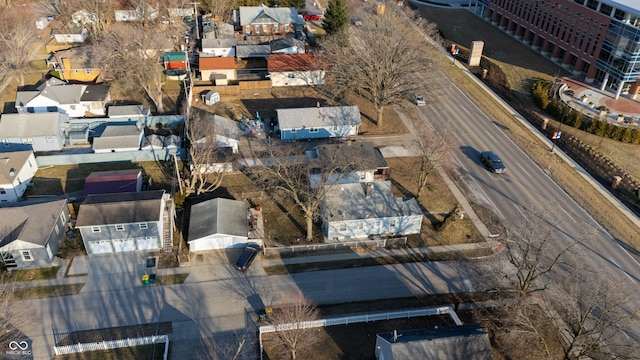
(2, 192)
(57, 230)
(87, 72)
(95, 229)
(5, 142)
(313, 130)
(393, 222)
(143, 226)
(26, 255)
(286, 27)
(360, 225)
(49, 139)
(293, 130)
(63, 218)
(291, 76)
(120, 227)
(619, 14)
(27, 141)
(343, 227)
(265, 28)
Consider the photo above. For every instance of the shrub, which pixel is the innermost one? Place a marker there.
(627, 136)
(594, 124)
(615, 132)
(635, 138)
(603, 128)
(540, 93)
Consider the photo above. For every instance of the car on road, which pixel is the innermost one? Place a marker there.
(492, 162)
(246, 257)
(419, 100)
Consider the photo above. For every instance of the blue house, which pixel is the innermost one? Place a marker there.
(318, 122)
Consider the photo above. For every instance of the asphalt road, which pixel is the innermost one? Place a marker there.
(205, 308)
(525, 191)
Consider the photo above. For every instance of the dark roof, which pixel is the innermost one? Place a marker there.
(31, 223)
(121, 208)
(95, 93)
(113, 175)
(469, 342)
(358, 155)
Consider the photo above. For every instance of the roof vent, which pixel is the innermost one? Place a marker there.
(12, 172)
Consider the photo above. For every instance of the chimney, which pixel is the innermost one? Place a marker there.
(318, 104)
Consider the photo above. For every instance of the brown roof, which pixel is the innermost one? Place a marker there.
(292, 62)
(217, 63)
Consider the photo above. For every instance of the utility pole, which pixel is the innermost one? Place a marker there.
(557, 134)
(195, 13)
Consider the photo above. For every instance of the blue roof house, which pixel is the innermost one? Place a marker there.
(318, 122)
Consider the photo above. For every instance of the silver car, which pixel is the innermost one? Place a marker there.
(419, 100)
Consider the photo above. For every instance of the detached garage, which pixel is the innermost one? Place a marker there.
(218, 224)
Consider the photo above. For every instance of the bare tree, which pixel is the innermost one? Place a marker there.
(292, 337)
(221, 10)
(432, 149)
(589, 311)
(206, 170)
(98, 15)
(387, 75)
(132, 54)
(237, 346)
(62, 9)
(531, 248)
(286, 172)
(17, 36)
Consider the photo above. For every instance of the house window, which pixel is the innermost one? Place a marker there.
(257, 28)
(143, 226)
(362, 177)
(265, 28)
(95, 229)
(63, 218)
(313, 130)
(393, 222)
(286, 27)
(76, 71)
(87, 72)
(361, 225)
(120, 227)
(291, 76)
(57, 230)
(3, 192)
(49, 139)
(73, 107)
(26, 255)
(343, 227)
(5, 142)
(27, 141)
(293, 130)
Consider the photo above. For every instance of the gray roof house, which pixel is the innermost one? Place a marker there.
(249, 51)
(469, 342)
(219, 47)
(117, 138)
(17, 168)
(347, 162)
(127, 111)
(31, 234)
(288, 46)
(55, 95)
(362, 210)
(95, 99)
(218, 224)
(265, 21)
(122, 222)
(318, 122)
(32, 131)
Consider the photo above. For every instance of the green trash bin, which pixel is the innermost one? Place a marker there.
(145, 279)
(263, 317)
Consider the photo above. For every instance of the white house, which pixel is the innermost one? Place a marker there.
(31, 233)
(346, 163)
(32, 131)
(360, 210)
(295, 70)
(318, 122)
(117, 138)
(219, 47)
(288, 46)
(75, 100)
(133, 221)
(16, 171)
(218, 224)
(70, 35)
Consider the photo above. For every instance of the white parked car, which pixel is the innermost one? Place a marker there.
(419, 100)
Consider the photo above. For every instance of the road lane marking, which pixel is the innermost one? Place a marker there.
(623, 271)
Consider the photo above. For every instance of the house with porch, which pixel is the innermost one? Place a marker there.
(361, 210)
(75, 64)
(346, 163)
(31, 233)
(17, 169)
(318, 122)
(134, 221)
(218, 70)
(32, 131)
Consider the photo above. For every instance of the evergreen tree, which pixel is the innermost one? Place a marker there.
(627, 136)
(635, 139)
(335, 18)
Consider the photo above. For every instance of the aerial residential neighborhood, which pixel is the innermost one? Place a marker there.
(320, 179)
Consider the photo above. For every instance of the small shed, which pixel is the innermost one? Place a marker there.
(115, 181)
(42, 23)
(218, 224)
(210, 97)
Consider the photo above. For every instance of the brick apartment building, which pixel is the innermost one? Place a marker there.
(599, 39)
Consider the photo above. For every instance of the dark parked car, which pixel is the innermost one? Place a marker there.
(246, 257)
(492, 162)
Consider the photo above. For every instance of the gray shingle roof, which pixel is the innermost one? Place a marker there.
(212, 43)
(252, 51)
(98, 92)
(226, 127)
(360, 155)
(64, 94)
(266, 15)
(218, 216)
(121, 208)
(318, 117)
(31, 223)
(117, 137)
(12, 160)
(127, 110)
(469, 342)
(31, 124)
(349, 202)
